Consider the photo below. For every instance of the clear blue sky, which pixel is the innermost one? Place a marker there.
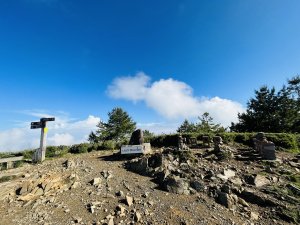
(61, 55)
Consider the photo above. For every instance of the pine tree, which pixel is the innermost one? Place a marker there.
(269, 111)
(206, 125)
(186, 127)
(118, 127)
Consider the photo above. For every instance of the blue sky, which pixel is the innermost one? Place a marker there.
(76, 60)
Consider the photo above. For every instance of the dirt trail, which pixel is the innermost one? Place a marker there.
(76, 197)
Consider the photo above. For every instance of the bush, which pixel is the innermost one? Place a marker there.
(282, 141)
(6, 155)
(18, 163)
(108, 145)
(7, 178)
(94, 147)
(28, 154)
(56, 151)
(164, 140)
(79, 148)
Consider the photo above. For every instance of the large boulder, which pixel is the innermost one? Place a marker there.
(137, 137)
(175, 184)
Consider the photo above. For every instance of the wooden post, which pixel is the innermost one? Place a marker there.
(40, 154)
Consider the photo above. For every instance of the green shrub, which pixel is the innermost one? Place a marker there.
(228, 137)
(120, 143)
(28, 154)
(7, 178)
(56, 151)
(165, 140)
(18, 163)
(108, 145)
(283, 140)
(94, 147)
(79, 148)
(6, 154)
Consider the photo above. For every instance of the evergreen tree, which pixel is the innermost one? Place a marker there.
(261, 112)
(207, 125)
(186, 127)
(294, 90)
(118, 127)
(269, 111)
(93, 138)
(147, 136)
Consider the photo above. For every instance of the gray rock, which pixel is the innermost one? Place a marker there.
(129, 200)
(260, 181)
(197, 185)
(120, 210)
(24, 188)
(225, 200)
(254, 215)
(39, 192)
(120, 194)
(77, 219)
(69, 164)
(106, 174)
(138, 165)
(76, 184)
(96, 181)
(175, 184)
(137, 137)
(237, 181)
(137, 217)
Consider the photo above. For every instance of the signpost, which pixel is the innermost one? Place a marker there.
(39, 155)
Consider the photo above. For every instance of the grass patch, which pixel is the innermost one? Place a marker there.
(295, 179)
(7, 178)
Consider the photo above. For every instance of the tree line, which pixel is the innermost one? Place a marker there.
(272, 111)
(268, 111)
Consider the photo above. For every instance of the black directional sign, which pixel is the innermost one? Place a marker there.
(47, 119)
(35, 125)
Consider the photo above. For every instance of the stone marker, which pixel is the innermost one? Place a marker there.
(217, 142)
(181, 144)
(265, 148)
(136, 144)
(206, 141)
(192, 141)
(137, 137)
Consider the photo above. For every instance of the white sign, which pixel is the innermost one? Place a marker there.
(132, 149)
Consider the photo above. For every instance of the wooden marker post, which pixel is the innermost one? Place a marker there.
(39, 155)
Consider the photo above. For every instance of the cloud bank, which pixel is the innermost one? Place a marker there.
(64, 131)
(173, 99)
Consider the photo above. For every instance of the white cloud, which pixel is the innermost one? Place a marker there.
(160, 128)
(130, 88)
(61, 139)
(63, 131)
(173, 99)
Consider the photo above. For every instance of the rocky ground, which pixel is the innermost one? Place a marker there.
(167, 187)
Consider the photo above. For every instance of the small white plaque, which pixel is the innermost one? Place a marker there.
(132, 149)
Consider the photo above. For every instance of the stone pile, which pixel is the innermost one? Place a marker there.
(182, 173)
(264, 147)
(206, 140)
(182, 143)
(47, 184)
(222, 151)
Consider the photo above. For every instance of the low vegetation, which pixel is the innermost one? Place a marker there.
(7, 178)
